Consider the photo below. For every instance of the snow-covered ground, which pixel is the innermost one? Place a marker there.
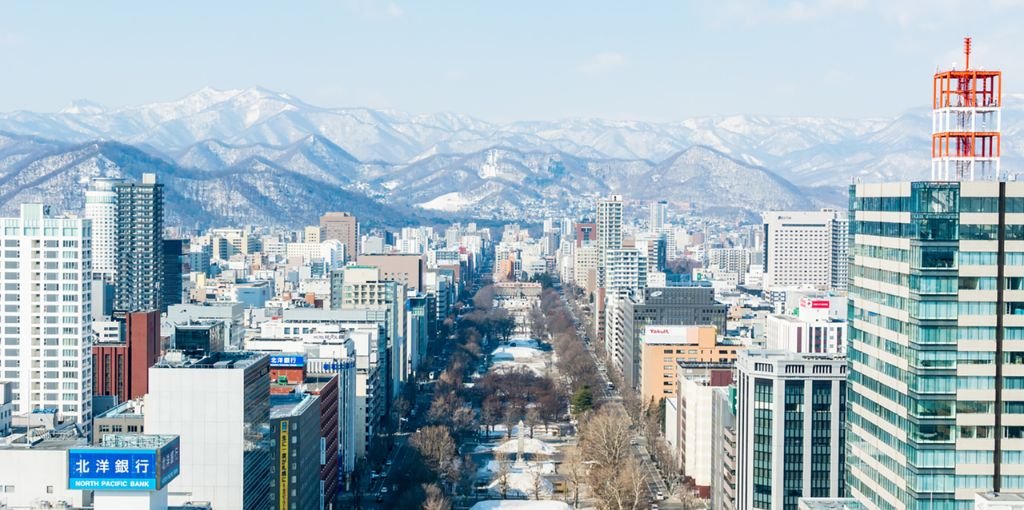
(493, 466)
(453, 201)
(530, 446)
(520, 352)
(521, 484)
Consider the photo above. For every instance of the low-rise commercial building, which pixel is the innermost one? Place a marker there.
(664, 347)
(812, 328)
(126, 417)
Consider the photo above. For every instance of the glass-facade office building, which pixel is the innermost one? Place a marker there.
(790, 428)
(936, 386)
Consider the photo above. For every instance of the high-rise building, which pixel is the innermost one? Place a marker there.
(696, 433)
(345, 228)
(140, 251)
(220, 407)
(47, 320)
(664, 348)
(625, 272)
(937, 309)
(791, 429)
(402, 268)
(654, 247)
(802, 247)
(364, 288)
(295, 427)
(658, 212)
(332, 469)
(175, 268)
(609, 237)
(947, 259)
(101, 208)
(840, 265)
(585, 233)
(609, 228)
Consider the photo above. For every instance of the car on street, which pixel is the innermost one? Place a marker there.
(660, 496)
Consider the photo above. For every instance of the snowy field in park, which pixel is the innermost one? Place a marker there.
(520, 353)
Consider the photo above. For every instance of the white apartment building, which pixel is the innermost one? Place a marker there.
(625, 271)
(47, 313)
(330, 252)
(101, 208)
(696, 432)
(609, 228)
(801, 248)
(730, 260)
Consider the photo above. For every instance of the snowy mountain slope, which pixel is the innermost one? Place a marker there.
(492, 182)
(807, 150)
(267, 147)
(253, 190)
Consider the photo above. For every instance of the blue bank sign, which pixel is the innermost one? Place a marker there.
(123, 469)
(287, 361)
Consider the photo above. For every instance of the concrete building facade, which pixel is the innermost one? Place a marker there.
(791, 428)
(47, 314)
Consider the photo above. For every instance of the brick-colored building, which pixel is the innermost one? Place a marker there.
(122, 368)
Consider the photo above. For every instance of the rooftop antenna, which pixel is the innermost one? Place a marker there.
(967, 53)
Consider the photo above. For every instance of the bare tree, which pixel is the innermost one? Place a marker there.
(575, 471)
(436, 445)
(537, 483)
(689, 500)
(509, 417)
(503, 474)
(532, 418)
(484, 298)
(619, 487)
(605, 437)
(435, 500)
(615, 475)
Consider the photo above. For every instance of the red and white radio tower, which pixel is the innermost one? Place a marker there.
(966, 121)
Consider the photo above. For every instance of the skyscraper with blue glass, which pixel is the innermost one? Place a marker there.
(936, 390)
(936, 387)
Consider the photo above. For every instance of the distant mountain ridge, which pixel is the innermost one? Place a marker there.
(218, 141)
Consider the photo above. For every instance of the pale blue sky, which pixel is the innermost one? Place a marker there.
(505, 61)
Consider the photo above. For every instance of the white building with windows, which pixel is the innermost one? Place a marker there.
(101, 208)
(804, 248)
(47, 314)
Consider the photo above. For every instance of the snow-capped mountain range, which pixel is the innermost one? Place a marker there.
(220, 140)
